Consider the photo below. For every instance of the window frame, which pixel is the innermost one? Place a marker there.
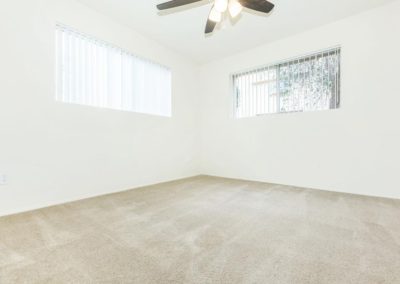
(60, 69)
(277, 64)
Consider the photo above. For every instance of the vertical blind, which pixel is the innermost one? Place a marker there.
(307, 83)
(95, 73)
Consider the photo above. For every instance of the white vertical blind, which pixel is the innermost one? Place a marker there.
(95, 73)
(307, 83)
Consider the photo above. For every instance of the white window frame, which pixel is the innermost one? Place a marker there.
(336, 50)
(107, 76)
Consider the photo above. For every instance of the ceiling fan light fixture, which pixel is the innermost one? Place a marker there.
(221, 5)
(215, 16)
(221, 8)
(235, 8)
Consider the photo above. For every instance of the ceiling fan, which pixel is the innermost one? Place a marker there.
(220, 7)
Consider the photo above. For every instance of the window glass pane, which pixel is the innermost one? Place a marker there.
(95, 73)
(308, 83)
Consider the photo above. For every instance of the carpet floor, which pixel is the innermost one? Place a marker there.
(206, 230)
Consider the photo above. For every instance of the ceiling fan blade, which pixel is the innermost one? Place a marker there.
(175, 3)
(210, 26)
(258, 5)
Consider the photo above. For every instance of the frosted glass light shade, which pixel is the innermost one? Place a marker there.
(235, 8)
(221, 5)
(215, 16)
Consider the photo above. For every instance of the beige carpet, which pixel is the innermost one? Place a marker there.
(206, 230)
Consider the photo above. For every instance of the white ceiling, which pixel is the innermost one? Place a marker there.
(183, 29)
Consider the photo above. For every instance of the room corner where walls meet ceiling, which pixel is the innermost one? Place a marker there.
(183, 29)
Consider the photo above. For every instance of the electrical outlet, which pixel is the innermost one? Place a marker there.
(3, 179)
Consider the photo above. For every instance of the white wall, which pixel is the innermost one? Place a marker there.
(354, 149)
(53, 152)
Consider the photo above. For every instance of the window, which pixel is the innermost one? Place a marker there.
(308, 83)
(94, 73)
